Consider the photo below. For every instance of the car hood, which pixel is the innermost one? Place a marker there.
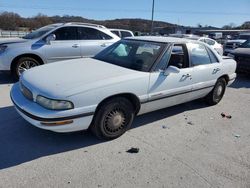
(67, 78)
(11, 40)
(236, 41)
(242, 51)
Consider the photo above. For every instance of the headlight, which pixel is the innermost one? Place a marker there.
(3, 48)
(54, 104)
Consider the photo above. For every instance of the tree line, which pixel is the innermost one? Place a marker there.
(13, 21)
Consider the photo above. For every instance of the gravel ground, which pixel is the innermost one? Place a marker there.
(189, 145)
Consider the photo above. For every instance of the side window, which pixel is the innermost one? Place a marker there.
(213, 58)
(210, 42)
(86, 33)
(198, 54)
(178, 56)
(163, 62)
(116, 33)
(66, 33)
(125, 34)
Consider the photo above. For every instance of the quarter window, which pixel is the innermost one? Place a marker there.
(198, 54)
(125, 34)
(66, 33)
(86, 33)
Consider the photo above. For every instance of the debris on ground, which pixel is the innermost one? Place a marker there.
(190, 123)
(236, 135)
(165, 127)
(133, 150)
(223, 115)
(211, 118)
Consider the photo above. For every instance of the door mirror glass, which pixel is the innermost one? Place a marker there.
(171, 69)
(50, 38)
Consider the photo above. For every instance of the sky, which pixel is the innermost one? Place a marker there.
(185, 12)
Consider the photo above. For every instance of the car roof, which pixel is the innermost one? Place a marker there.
(112, 29)
(160, 39)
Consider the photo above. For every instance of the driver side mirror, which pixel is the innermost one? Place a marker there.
(50, 38)
(171, 69)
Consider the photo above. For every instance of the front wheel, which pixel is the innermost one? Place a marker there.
(23, 64)
(113, 118)
(215, 96)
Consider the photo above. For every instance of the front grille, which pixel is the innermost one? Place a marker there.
(26, 92)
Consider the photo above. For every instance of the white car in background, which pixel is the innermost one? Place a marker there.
(122, 33)
(214, 44)
(131, 77)
(52, 43)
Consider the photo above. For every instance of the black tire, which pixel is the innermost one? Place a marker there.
(113, 118)
(215, 96)
(24, 63)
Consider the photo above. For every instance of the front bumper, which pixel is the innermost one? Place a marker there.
(37, 115)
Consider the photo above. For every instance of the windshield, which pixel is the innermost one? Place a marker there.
(244, 37)
(132, 54)
(39, 32)
(246, 44)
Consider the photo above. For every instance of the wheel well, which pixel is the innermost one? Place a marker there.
(131, 97)
(226, 77)
(36, 57)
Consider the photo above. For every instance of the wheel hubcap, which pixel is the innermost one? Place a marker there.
(114, 121)
(219, 90)
(25, 65)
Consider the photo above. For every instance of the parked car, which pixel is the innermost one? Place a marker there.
(231, 45)
(218, 47)
(214, 44)
(131, 77)
(53, 43)
(242, 57)
(122, 33)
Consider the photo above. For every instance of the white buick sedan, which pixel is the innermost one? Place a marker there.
(132, 77)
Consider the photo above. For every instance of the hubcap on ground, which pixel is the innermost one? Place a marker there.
(25, 65)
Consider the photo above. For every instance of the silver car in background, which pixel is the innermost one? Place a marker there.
(52, 43)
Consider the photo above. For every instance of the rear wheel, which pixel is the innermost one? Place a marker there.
(215, 96)
(113, 118)
(23, 64)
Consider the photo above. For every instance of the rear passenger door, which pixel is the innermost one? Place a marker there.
(206, 69)
(92, 41)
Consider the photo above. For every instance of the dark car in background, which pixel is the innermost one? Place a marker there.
(242, 57)
(231, 45)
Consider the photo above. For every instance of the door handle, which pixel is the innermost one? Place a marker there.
(217, 69)
(103, 45)
(76, 46)
(186, 75)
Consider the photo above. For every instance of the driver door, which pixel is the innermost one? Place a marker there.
(65, 46)
(172, 88)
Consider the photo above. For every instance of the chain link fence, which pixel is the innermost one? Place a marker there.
(9, 34)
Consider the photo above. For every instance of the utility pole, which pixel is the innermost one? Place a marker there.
(152, 18)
